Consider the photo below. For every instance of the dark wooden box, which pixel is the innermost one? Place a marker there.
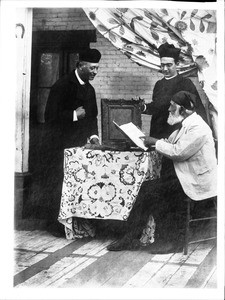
(121, 111)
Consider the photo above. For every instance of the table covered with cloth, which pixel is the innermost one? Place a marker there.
(102, 185)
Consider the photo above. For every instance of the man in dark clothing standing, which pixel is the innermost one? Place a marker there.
(165, 88)
(71, 106)
(70, 121)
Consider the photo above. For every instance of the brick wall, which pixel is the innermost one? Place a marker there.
(118, 77)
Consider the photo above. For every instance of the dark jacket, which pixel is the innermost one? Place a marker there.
(66, 95)
(162, 93)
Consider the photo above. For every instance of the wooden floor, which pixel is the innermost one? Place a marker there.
(42, 260)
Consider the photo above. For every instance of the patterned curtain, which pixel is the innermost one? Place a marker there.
(138, 32)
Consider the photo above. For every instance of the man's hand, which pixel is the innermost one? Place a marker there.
(142, 105)
(95, 141)
(93, 144)
(148, 140)
(80, 112)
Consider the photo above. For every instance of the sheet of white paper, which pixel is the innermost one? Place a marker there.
(134, 134)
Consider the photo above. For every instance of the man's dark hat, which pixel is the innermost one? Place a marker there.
(168, 50)
(90, 55)
(185, 99)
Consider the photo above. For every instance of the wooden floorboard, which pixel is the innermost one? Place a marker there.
(46, 262)
(130, 264)
(42, 260)
(95, 270)
(211, 280)
(198, 278)
(81, 258)
(143, 275)
(24, 236)
(189, 267)
(26, 259)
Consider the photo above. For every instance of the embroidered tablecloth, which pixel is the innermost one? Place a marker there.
(102, 185)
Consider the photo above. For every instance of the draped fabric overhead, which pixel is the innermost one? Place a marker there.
(138, 32)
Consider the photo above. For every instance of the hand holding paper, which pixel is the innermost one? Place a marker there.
(148, 140)
(133, 133)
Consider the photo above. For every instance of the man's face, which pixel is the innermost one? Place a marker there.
(88, 71)
(174, 114)
(168, 67)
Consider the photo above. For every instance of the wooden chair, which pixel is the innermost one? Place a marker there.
(190, 219)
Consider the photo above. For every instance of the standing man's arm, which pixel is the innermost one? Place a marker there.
(91, 122)
(56, 107)
(152, 107)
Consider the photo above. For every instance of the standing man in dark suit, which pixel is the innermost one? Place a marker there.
(71, 106)
(165, 88)
(71, 121)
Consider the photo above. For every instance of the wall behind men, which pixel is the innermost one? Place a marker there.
(118, 77)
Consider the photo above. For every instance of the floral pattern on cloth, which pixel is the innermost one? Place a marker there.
(138, 32)
(77, 228)
(148, 233)
(102, 185)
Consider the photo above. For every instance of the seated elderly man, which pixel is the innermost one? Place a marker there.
(189, 169)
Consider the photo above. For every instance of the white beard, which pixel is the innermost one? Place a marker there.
(174, 119)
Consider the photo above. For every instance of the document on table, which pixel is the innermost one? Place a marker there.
(133, 133)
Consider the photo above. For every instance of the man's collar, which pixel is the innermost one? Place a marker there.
(189, 119)
(78, 78)
(170, 77)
